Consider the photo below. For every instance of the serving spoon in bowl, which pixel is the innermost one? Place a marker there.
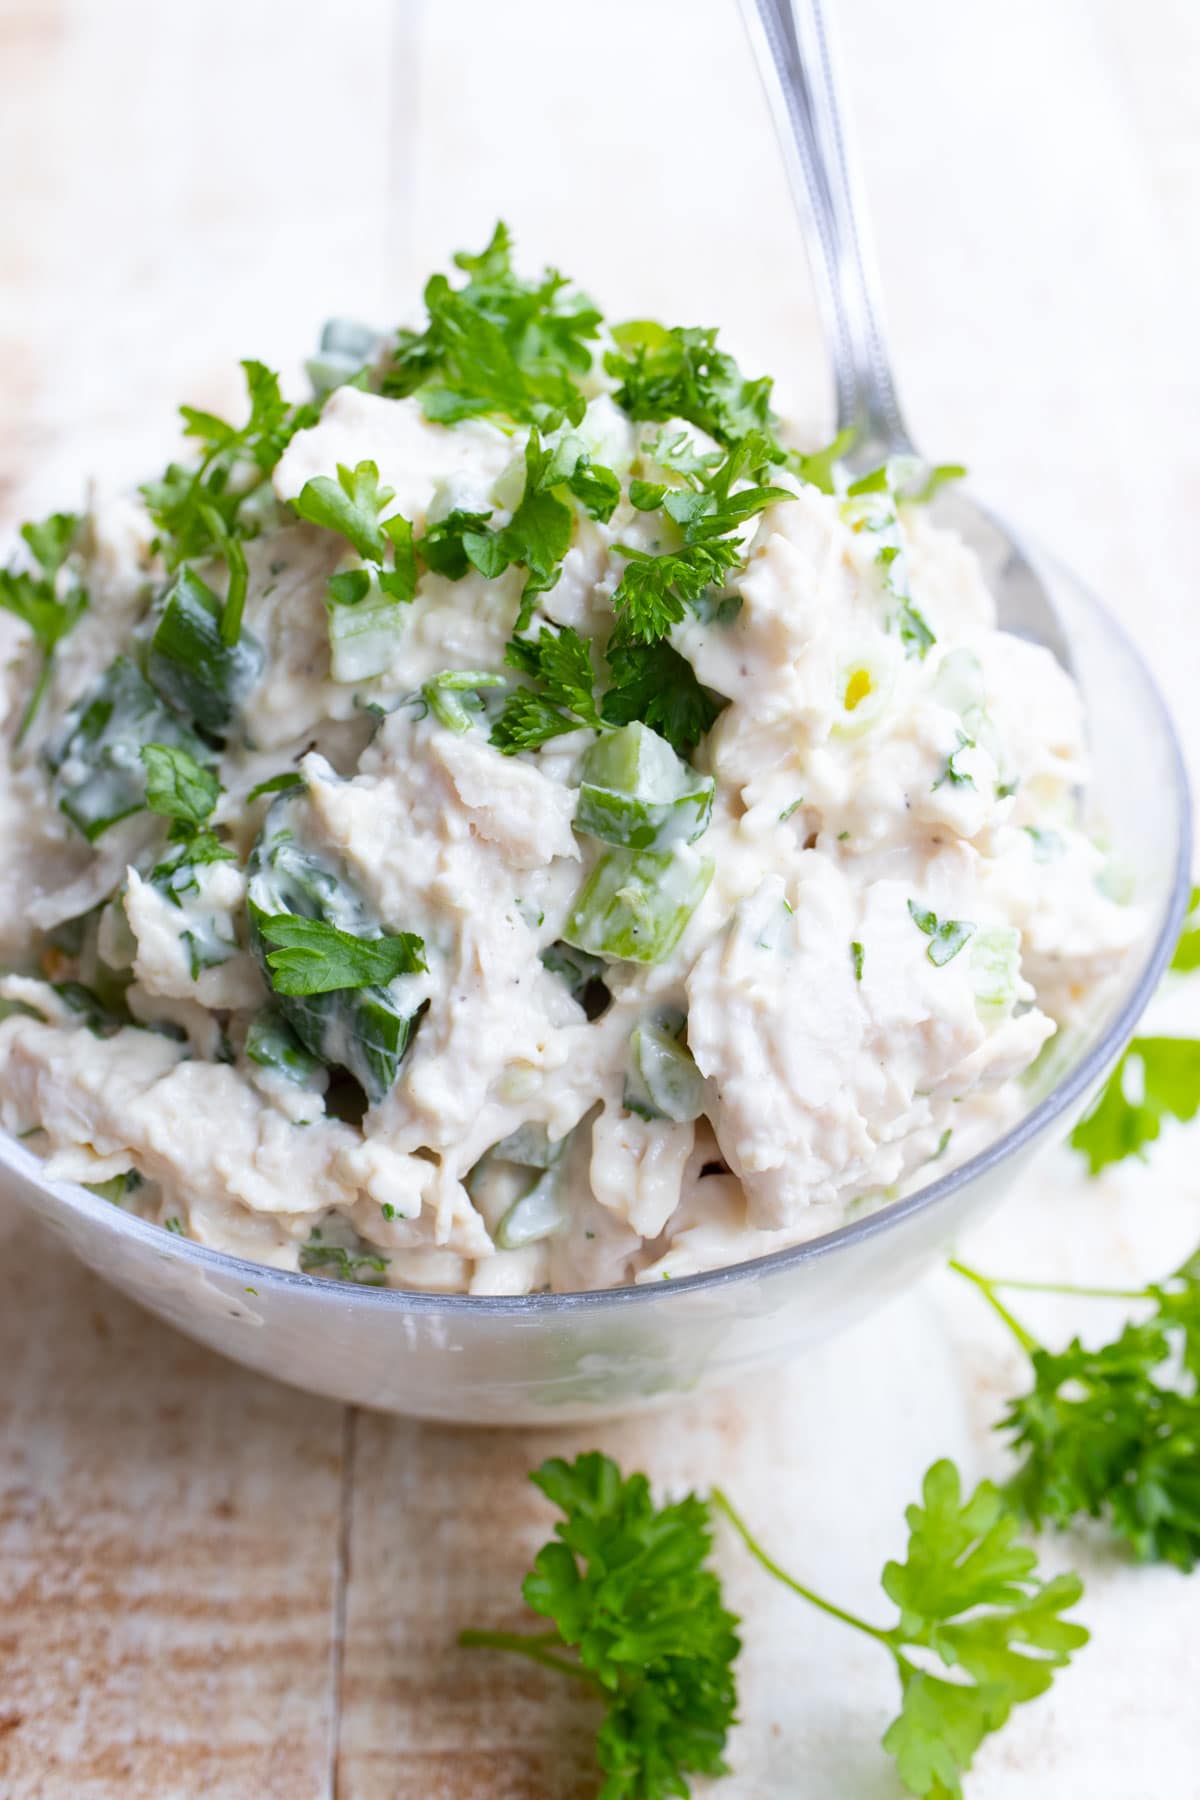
(799, 73)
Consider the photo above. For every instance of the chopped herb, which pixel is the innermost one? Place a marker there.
(656, 591)
(205, 512)
(497, 344)
(344, 1264)
(856, 957)
(179, 787)
(969, 1597)
(175, 1226)
(49, 599)
(316, 958)
(638, 1617)
(538, 535)
(561, 663)
(278, 784)
(789, 810)
(679, 373)
(948, 935)
(872, 505)
(653, 683)
(952, 773)
(388, 1210)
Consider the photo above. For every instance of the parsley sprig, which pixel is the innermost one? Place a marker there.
(1113, 1433)
(679, 372)
(497, 344)
(209, 510)
(539, 533)
(637, 1614)
(49, 598)
(969, 1600)
(656, 591)
(649, 682)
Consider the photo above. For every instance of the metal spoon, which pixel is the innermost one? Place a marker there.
(796, 63)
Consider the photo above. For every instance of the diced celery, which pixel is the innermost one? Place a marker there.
(635, 904)
(637, 793)
(453, 696)
(538, 1214)
(271, 1043)
(364, 635)
(530, 1147)
(191, 665)
(346, 346)
(99, 774)
(663, 1081)
(995, 968)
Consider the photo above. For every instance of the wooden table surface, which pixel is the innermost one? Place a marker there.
(212, 1586)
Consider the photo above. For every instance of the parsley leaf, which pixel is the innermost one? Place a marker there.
(872, 505)
(952, 773)
(49, 601)
(1113, 1432)
(561, 662)
(538, 535)
(653, 683)
(679, 373)
(352, 506)
(497, 344)
(179, 787)
(969, 1599)
(948, 935)
(1157, 1078)
(206, 511)
(316, 958)
(656, 591)
(342, 1264)
(639, 1617)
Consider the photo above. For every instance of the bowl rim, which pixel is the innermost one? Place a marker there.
(1091, 1065)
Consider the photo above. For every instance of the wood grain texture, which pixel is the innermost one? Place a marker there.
(212, 1588)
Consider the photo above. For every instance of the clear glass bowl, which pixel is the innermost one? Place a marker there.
(558, 1358)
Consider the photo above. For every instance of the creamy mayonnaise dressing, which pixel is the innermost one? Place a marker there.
(901, 903)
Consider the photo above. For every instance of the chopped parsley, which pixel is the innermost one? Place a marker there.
(313, 957)
(497, 344)
(856, 957)
(952, 773)
(947, 935)
(207, 511)
(49, 598)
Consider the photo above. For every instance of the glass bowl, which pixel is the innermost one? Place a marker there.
(561, 1358)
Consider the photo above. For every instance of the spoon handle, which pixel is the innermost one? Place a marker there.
(795, 61)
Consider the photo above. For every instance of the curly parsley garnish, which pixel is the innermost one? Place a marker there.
(1113, 1433)
(638, 1616)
